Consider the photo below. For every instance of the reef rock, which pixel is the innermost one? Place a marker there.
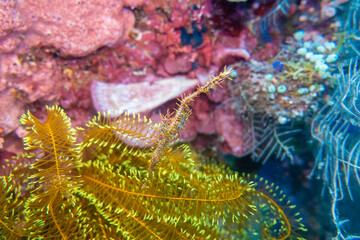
(24, 82)
(235, 133)
(228, 47)
(138, 97)
(76, 28)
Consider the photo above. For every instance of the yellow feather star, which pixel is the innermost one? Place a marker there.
(94, 188)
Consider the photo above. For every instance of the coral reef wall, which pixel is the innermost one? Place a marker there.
(295, 68)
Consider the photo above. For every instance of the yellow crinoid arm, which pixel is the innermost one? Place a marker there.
(51, 210)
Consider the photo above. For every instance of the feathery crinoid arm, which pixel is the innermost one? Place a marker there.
(10, 206)
(15, 176)
(275, 217)
(170, 206)
(51, 209)
(54, 142)
(129, 135)
(189, 202)
(179, 201)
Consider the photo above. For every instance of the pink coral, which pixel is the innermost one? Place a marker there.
(77, 28)
(12, 109)
(204, 116)
(10, 20)
(235, 133)
(181, 64)
(24, 82)
(227, 47)
(189, 132)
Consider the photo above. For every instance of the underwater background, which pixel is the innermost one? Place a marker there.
(287, 111)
